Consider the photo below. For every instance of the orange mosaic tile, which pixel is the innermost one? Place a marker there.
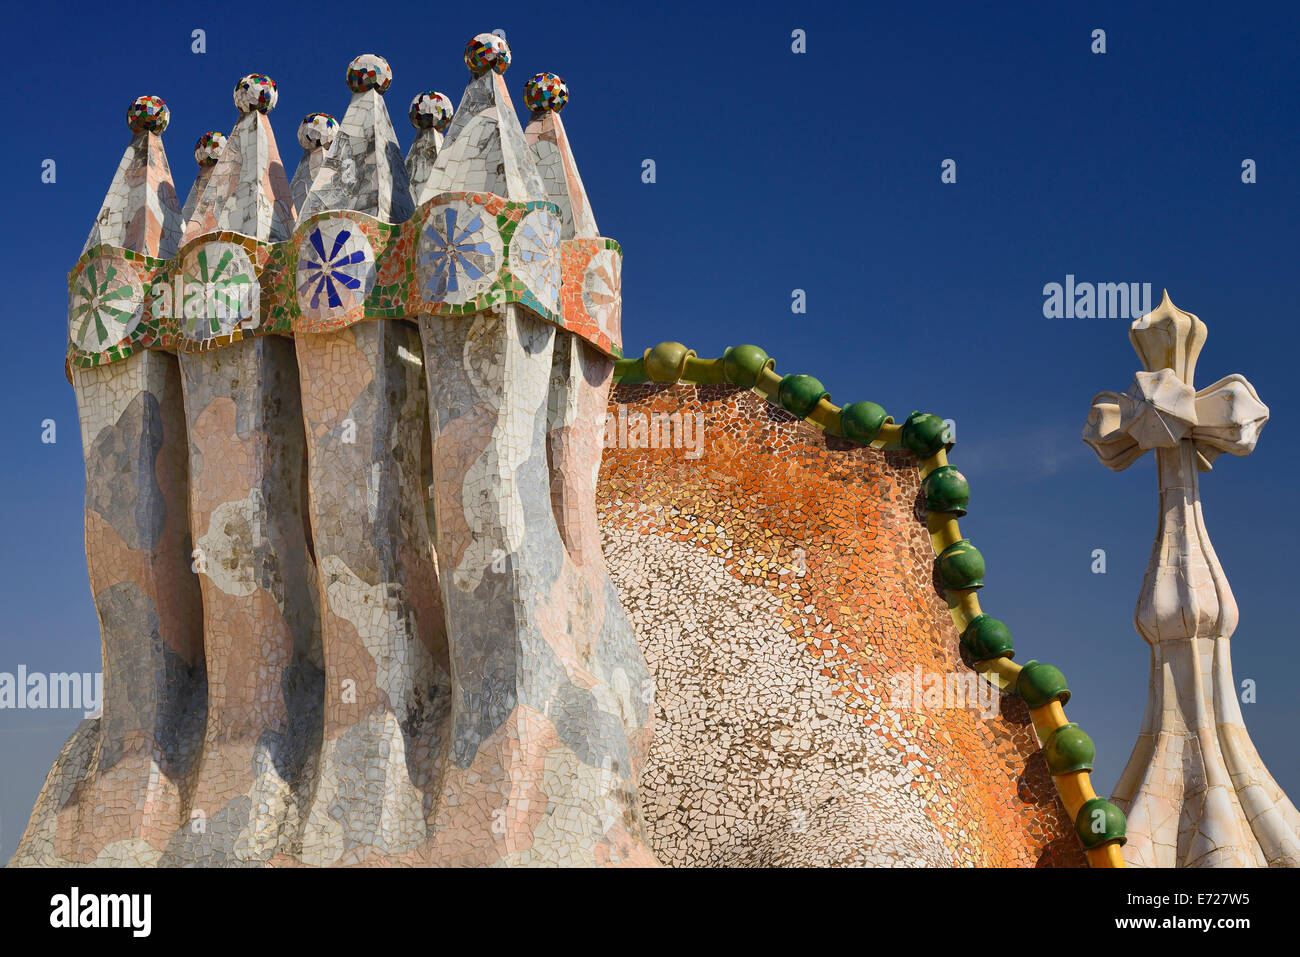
(828, 540)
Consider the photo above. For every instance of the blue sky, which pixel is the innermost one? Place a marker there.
(778, 171)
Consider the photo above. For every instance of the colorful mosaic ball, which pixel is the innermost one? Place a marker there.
(256, 92)
(148, 113)
(208, 148)
(430, 110)
(369, 71)
(487, 51)
(317, 130)
(546, 92)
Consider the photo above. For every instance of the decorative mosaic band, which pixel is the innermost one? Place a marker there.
(459, 254)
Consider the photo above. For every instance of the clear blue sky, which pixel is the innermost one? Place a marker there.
(778, 171)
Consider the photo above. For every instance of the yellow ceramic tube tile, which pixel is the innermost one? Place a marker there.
(1108, 855)
(635, 370)
(965, 601)
(943, 530)
(827, 415)
(890, 437)
(964, 606)
(704, 371)
(1001, 671)
(1047, 719)
(768, 384)
(938, 460)
(1075, 790)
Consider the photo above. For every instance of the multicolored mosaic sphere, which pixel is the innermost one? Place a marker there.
(546, 92)
(208, 148)
(148, 113)
(317, 130)
(369, 71)
(256, 92)
(487, 51)
(430, 110)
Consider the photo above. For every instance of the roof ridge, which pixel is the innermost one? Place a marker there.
(1098, 824)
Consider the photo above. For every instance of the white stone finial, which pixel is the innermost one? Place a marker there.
(1195, 790)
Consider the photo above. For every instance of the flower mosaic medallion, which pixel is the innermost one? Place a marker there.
(221, 290)
(107, 303)
(336, 270)
(602, 290)
(458, 254)
(535, 256)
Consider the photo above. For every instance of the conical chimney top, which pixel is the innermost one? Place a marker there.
(316, 134)
(430, 113)
(207, 150)
(484, 150)
(364, 170)
(141, 211)
(247, 191)
(546, 95)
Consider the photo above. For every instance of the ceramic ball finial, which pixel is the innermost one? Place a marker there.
(369, 71)
(546, 92)
(487, 51)
(317, 130)
(430, 110)
(148, 113)
(255, 92)
(208, 148)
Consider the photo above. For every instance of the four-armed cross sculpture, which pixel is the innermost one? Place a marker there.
(1195, 790)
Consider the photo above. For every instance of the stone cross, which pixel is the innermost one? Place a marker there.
(1195, 790)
